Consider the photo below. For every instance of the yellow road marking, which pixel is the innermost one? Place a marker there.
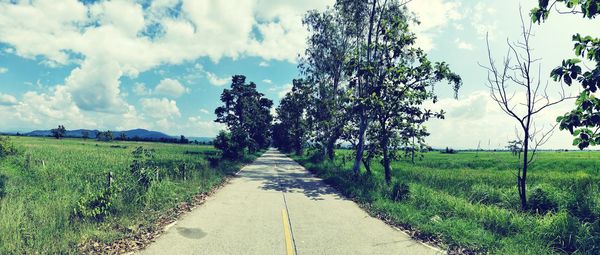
(287, 233)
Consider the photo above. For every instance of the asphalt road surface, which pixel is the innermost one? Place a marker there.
(274, 206)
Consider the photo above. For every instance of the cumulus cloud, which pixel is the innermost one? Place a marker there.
(208, 127)
(7, 100)
(433, 15)
(171, 88)
(3, 70)
(216, 80)
(140, 89)
(160, 108)
(282, 90)
(463, 44)
(477, 118)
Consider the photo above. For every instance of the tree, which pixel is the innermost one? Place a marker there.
(290, 133)
(105, 136)
(404, 78)
(518, 68)
(59, 132)
(183, 140)
(247, 114)
(323, 66)
(123, 136)
(583, 122)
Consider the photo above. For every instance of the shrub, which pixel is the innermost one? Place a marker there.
(540, 201)
(142, 168)
(6, 147)
(95, 205)
(400, 191)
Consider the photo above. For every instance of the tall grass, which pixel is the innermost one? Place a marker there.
(469, 200)
(49, 177)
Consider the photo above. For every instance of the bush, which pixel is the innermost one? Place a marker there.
(142, 168)
(6, 147)
(540, 201)
(400, 191)
(95, 205)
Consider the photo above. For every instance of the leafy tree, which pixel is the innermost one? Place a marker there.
(290, 133)
(518, 69)
(584, 121)
(231, 148)
(246, 112)
(105, 136)
(59, 132)
(323, 64)
(183, 140)
(123, 136)
(404, 80)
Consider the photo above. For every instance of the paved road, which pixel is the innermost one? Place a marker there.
(274, 206)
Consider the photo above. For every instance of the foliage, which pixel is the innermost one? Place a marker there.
(400, 191)
(96, 205)
(231, 147)
(290, 133)
(106, 136)
(246, 112)
(7, 148)
(469, 202)
(3, 181)
(143, 168)
(583, 121)
(540, 201)
(59, 132)
(39, 206)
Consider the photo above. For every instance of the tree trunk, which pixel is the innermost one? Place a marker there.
(522, 180)
(386, 158)
(367, 163)
(361, 143)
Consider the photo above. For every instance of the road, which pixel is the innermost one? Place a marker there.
(274, 206)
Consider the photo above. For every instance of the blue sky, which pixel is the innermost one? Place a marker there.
(162, 64)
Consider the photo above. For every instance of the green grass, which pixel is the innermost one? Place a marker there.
(469, 200)
(48, 178)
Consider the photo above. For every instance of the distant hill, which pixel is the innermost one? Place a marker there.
(140, 133)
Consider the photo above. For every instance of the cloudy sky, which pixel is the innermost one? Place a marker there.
(162, 64)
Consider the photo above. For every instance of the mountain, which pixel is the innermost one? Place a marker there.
(140, 133)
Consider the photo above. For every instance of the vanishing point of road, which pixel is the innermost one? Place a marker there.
(274, 206)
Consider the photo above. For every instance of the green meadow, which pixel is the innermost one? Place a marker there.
(56, 194)
(469, 202)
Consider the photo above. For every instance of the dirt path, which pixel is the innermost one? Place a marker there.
(274, 206)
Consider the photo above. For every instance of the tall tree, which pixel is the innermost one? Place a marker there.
(247, 114)
(403, 80)
(584, 121)
(323, 67)
(290, 133)
(519, 68)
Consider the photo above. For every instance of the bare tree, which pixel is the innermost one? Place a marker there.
(526, 101)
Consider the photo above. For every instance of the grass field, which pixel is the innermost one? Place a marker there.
(469, 200)
(47, 180)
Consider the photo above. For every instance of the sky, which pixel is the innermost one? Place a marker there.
(162, 64)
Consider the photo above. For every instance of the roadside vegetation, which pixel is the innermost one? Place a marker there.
(366, 85)
(57, 196)
(468, 202)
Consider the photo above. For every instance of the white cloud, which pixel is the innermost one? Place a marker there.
(477, 118)
(463, 44)
(216, 80)
(263, 64)
(207, 127)
(204, 111)
(171, 88)
(7, 100)
(160, 108)
(433, 15)
(140, 89)
(267, 81)
(282, 90)
(3, 70)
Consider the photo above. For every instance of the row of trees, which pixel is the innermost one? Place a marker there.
(364, 82)
(247, 115)
(108, 135)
